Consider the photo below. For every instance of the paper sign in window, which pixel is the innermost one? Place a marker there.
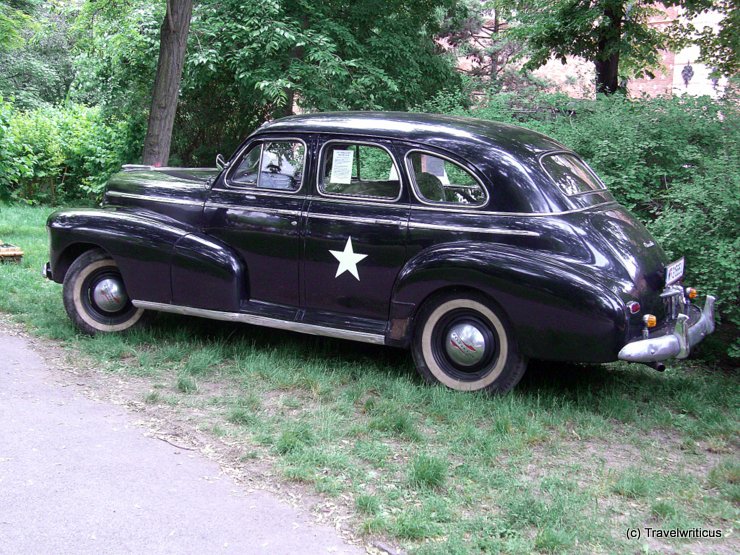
(341, 166)
(435, 166)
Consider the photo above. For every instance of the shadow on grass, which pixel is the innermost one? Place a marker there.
(168, 326)
(551, 378)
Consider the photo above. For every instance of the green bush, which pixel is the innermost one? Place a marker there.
(700, 220)
(675, 162)
(55, 155)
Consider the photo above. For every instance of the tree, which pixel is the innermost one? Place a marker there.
(613, 34)
(173, 43)
(477, 30)
(251, 61)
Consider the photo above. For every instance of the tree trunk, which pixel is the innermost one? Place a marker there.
(296, 53)
(607, 60)
(172, 44)
(494, 55)
(607, 75)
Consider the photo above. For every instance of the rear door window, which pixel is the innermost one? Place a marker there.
(358, 170)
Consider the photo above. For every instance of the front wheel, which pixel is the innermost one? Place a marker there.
(95, 297)
(463, 342)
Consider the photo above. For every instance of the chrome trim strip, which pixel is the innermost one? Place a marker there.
(515, 214)
(141, 167)
(262, 141)
(254, 209)
(378, 221)
(152, 198)
(244, 318)
(381, 200)
(362, 201)
(497, 231)
(254, 192)
(365, 203)
(417, 194)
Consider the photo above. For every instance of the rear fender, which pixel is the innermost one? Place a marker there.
(557, 312)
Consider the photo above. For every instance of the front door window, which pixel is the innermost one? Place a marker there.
(276, 165)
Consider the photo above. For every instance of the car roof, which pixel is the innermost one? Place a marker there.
(435, 129)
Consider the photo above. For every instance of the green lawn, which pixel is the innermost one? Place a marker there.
(567, 463)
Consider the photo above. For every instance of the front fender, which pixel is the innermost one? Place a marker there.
(156, 255)
(557, 310)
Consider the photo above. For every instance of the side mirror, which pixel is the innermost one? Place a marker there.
(221, 161)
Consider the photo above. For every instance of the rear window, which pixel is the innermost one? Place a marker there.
(571, 174)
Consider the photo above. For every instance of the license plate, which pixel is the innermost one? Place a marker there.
(674, 271)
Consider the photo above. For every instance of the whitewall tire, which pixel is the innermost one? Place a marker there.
(95, 296)
(463, 341)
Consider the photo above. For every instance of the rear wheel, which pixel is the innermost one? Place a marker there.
(95, 296)
(463, 342)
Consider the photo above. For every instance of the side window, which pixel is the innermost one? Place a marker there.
(271, 165)
(358, 170)
(437, 180)
(570, 174)
(247, 172)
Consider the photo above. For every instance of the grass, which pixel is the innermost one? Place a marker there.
(564, 464)
(428, 472)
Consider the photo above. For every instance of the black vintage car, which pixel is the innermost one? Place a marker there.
(476, 244)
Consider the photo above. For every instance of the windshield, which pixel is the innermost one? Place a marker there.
(571, 174)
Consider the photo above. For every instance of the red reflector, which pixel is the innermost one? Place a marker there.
(633, 307)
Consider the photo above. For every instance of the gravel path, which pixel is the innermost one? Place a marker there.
(78, 476)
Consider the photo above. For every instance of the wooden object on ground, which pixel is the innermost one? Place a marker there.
(10, 253)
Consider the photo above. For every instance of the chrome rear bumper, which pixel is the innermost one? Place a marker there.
(677, 344)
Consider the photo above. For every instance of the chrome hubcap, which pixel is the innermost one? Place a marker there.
(465, 344)
(109, 295)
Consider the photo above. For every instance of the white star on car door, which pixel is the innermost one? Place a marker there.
(348, 260)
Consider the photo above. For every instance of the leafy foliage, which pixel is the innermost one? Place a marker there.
(14, 16)
(53, 155)
(40, 72)
(700, 221)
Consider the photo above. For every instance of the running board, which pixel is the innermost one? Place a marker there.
(243, 318)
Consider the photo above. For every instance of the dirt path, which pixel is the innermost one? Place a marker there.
(79, 476)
